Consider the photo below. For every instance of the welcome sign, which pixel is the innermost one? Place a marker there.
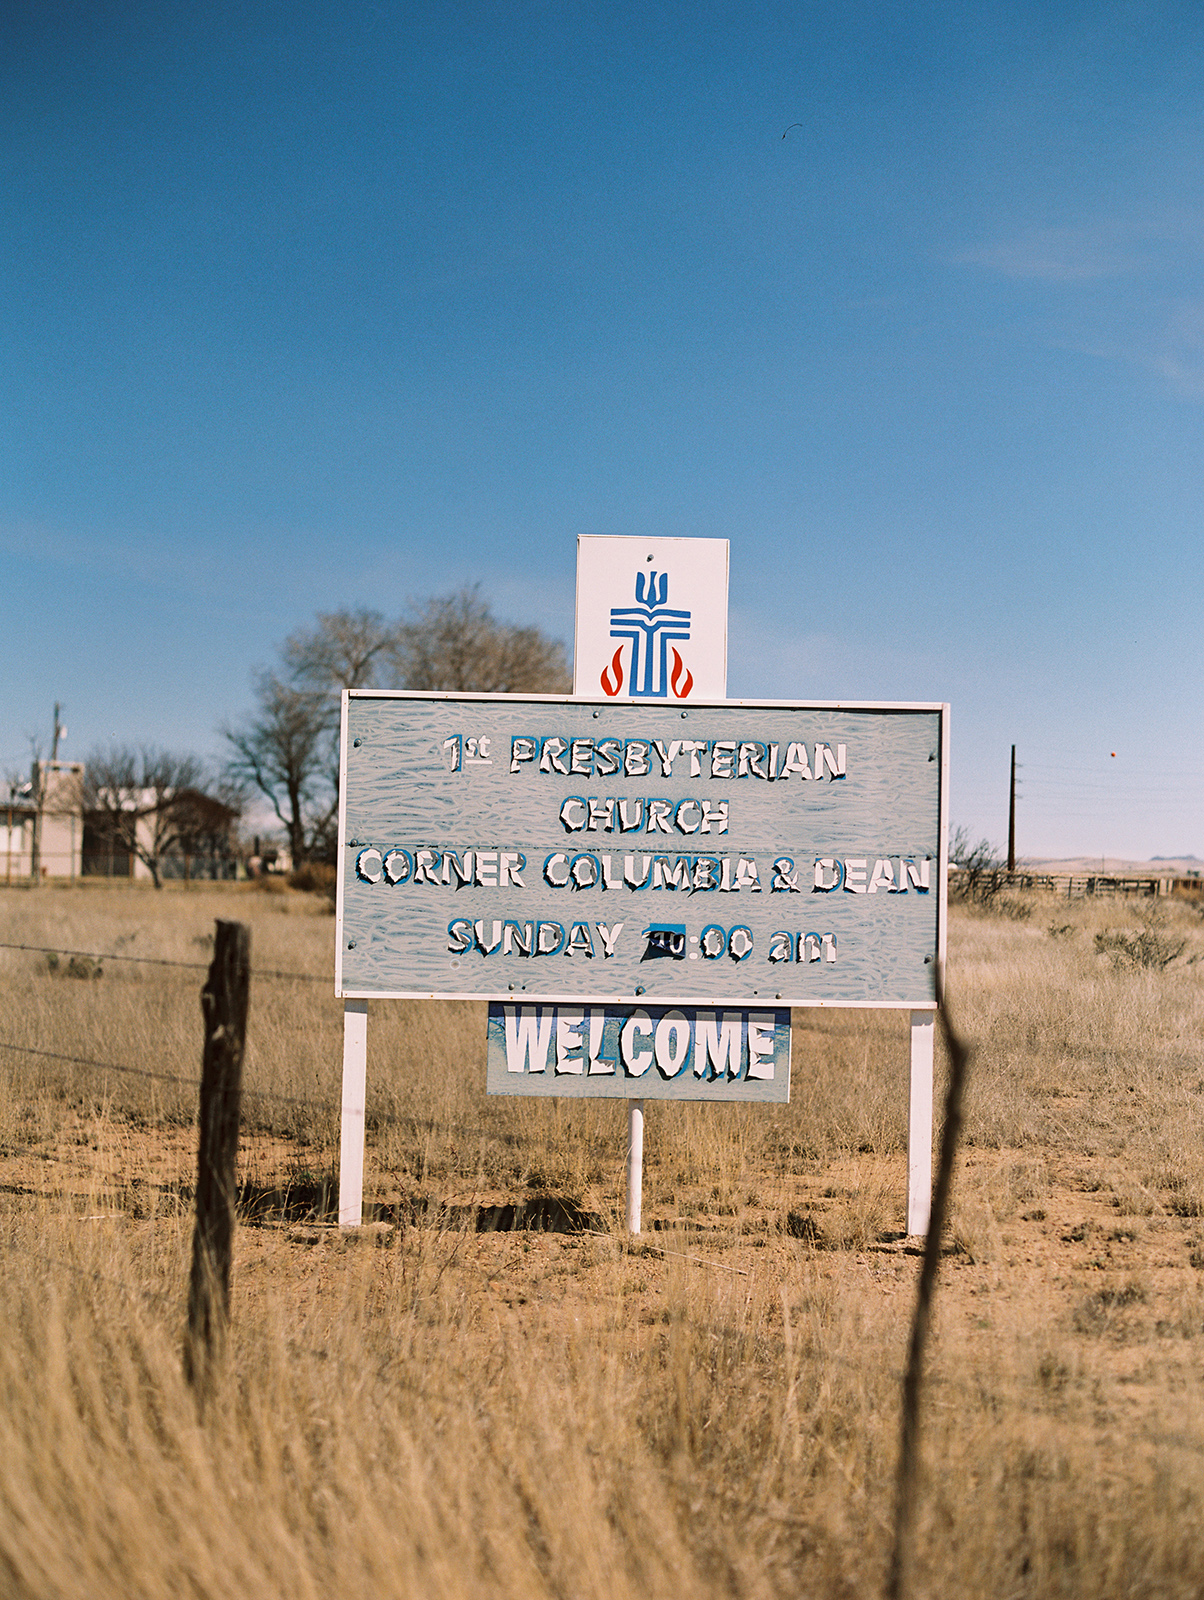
(589, 854)
(639, 1052)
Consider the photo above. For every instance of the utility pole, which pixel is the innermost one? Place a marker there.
(1012, 817)
(41, 775)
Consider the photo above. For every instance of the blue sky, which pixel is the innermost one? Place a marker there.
(309, 306)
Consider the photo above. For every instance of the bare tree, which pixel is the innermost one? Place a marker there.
(138, 800)
(287, 751)
(981, 867)
(451, 642)
(204, 823)
(345, 650)
(456, 643)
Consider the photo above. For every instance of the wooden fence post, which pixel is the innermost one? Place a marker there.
(224, 1006)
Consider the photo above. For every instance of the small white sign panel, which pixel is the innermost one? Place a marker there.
(651, 618)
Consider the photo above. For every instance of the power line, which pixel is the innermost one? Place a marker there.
(1196, 773)
(1120, 790)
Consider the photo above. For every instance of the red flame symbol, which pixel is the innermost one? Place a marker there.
(612, 676)
(681, 680)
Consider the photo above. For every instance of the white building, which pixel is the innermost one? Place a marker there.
(42, 825)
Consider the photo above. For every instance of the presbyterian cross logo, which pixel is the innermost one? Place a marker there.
(651, 627)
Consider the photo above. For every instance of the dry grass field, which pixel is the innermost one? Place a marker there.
(426, 1409)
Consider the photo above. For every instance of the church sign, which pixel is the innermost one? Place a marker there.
(586, 853)
(641, 880)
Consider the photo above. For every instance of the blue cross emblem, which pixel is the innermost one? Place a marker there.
(650, 625)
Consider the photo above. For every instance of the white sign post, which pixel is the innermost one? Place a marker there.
(651, 624)
(351, 1121)
(919, 1120)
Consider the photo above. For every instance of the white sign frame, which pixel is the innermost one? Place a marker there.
(394, 780)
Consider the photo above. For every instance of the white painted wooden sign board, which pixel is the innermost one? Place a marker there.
(541, 850)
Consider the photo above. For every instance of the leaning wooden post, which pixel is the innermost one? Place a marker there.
(224, 1006)
(907, 1472)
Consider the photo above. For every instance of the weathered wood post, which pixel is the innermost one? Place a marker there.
(898, 1581)
(224, 1001)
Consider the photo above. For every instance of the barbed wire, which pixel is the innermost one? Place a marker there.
(10, 1152)
(101, 1277)
(162, 961)
(148, 1072)
(101, 1180)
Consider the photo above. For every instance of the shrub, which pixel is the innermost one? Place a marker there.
(1151, 948)
(315, 877)
(980, 874)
